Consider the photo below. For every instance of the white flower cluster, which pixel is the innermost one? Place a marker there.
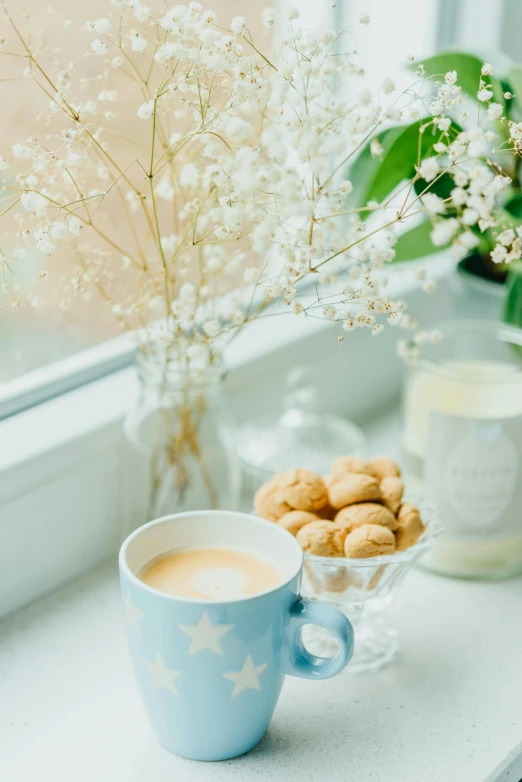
(241, 201)
(474, 182)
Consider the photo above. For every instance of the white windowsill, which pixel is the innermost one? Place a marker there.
(448, 708)
(62, 463)
(44, 427)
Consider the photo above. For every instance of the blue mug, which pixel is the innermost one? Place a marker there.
(210, 673)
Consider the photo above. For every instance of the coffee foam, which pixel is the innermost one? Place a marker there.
(220, 583)
(217, 574)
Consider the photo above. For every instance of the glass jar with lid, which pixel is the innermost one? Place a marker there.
(462, 446)
(301, 435)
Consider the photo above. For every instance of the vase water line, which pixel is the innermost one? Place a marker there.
(182, 432)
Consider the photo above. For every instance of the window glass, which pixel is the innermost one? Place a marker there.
(46, 313)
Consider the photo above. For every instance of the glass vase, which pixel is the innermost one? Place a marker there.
(180, 433)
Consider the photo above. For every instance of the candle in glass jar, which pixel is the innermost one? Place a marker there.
(462, 442)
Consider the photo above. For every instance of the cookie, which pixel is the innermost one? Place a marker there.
(303, 490)
(346, 464)
(365, 513)
(352, 488)
(369, 540)
(392, 489)
(384, 467)
(327, 480)
(295, 519)
(409, 526)
(322, 538)
(269, 502)
(328, 512)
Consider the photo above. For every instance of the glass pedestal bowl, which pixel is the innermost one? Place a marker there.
(362, 589)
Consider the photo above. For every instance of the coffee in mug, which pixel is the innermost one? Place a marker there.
(216, 573)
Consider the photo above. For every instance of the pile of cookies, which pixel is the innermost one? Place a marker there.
(355, 512)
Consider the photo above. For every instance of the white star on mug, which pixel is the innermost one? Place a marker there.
(133, 614)
(161, 675)
(247, 678)
(205, 635)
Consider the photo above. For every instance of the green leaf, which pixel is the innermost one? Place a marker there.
(375, 178)
(513, 303)
(441, 186)
(468, 69)
(514, 77)
(364, 169)
(511, 103)
(514, 206)
(415, 243)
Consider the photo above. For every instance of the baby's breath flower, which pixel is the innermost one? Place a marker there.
(376, 148)
(22, 150)
(484, 94)
(469, 216)
(495, 111)
(498, 254)
(268, 17)
(251, 275)
(98, 47)
(237, 25)
(428, 169)
(34, 202)
(74, 224)
(443, 231)
(146, 110)
(138, 42)
(209, 17)
(212, 327)
(101, 26)
(434, 203)
(443, 123)
(111, 96)
(189, 175)
(165, 190)
(141, 12)
(59, 230)
(329, 312)
(507, 237)
(345, 187)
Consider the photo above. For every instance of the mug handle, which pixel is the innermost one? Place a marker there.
(299, 661)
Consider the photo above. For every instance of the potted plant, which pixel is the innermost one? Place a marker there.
(491, 269)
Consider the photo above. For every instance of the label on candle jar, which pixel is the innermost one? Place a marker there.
(473, 473)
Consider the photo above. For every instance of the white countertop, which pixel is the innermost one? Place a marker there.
(448, 709)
